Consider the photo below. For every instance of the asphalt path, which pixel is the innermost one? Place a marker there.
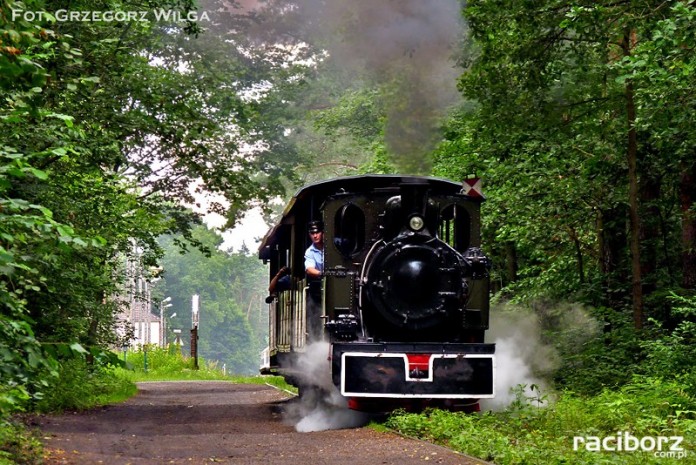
(219, 422)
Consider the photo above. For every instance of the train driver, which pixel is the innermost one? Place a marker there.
(314, 267)
(314, 255)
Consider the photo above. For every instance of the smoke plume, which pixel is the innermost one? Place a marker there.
(320, 406)
(407, 46)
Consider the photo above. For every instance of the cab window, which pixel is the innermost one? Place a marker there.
(455, 227)
(349, 230)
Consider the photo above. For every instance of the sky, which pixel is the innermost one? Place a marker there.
(249, 232)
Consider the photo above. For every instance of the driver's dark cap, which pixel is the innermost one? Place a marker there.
(315, 226)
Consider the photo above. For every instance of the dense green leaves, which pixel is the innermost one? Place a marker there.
(106, 125)
(525, 433)
(549, 131)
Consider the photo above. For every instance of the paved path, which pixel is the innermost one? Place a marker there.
(218, 422)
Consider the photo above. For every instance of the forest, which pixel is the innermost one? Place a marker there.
(577, 115)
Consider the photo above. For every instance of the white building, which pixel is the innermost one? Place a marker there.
(139, 320)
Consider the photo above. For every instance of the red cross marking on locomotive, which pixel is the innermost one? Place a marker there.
(472, 187)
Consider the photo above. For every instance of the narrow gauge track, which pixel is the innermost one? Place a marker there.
(218, 422)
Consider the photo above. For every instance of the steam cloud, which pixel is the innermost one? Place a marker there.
(321, 406)
(522, 355)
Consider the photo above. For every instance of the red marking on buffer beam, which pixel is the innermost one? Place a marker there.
(418, 365)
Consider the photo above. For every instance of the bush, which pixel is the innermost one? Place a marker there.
(18, 445)
(81, 385)
(24, 370)
(608, 358)
(673, 353)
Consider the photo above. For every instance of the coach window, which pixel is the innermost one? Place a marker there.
(455, 227)
(349, 230)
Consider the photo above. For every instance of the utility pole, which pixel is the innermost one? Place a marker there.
(164, 304)
(194, 329)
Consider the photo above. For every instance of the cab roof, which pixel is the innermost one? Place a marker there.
(310, 197)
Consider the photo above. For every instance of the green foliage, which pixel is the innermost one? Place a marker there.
(81, 385)
(24, 371)
(232, 288)
(606, 358)
(662, 69)
(18, 445)
(103, 133)
(613, 356)
(349, 120)
(545, 126)
(380, 163)
(527, 434)
(673, 353)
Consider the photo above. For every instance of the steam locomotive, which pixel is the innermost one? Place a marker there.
(404, 296)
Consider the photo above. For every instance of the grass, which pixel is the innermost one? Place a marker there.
(152, 363)
(524, 434)
(81, 386)
(170, 365)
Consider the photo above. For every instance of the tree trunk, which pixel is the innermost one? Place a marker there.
(631, 158)
(687, 197)
(632, 155)
(650, 187)
(578, 254)
(611, 238)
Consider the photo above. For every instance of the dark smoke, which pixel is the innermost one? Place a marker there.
(407, 46)
(247, 5)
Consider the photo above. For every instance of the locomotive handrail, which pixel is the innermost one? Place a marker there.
(362, 283)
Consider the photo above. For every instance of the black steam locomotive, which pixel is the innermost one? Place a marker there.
(403, 299)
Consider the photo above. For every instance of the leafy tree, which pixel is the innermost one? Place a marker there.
(104, 127)
(560, 127)
(29, 234)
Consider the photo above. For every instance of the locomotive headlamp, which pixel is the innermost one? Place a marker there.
(416, 223)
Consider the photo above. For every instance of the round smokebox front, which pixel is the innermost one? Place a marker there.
(404, 286)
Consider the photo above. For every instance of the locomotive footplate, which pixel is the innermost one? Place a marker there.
(414, 370)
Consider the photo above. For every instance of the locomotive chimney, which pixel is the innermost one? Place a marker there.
(413, 203)
(413, 196)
